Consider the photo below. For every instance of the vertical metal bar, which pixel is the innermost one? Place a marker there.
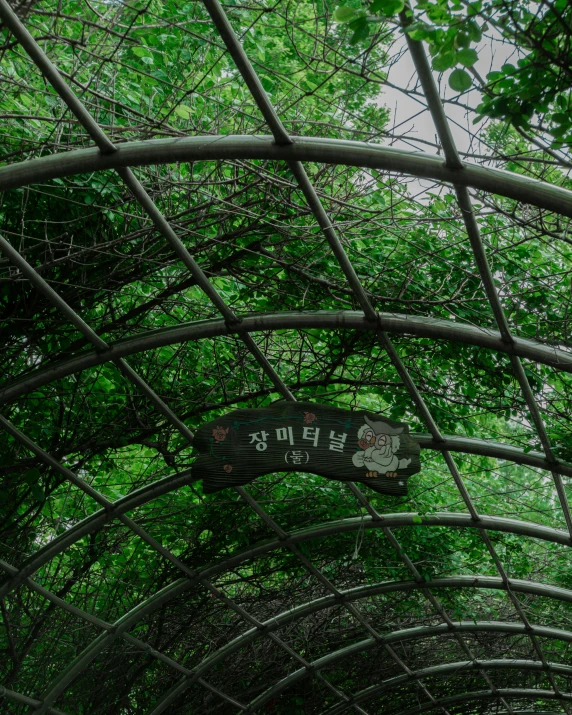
(264, 104)
(464, 200)
(51, 73)
(100, 345)
(78, 665)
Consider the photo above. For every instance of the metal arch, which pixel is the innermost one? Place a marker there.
(526, 693)
(99, 623)
(73, 669)
(464, 203)
(363, 592)
(106, 147)
(397, 323)
(126, 622)
(409, 634)
(48, 70)
(22, 699)
(51, 73)
(484, 448)
(149, 492)
(91, 336)
(493, 693)
(329, 232)
(446, 669)
(303, 149)
(95, 521)
(452, 519)
(482, 262)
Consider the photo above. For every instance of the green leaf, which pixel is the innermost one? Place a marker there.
(558, 131)
(460, 80)
(474, 7)
(462, 39)
(467, 57)
(387, 8)
(183, 111)
(38, 493)
(418, 31)
(444, 61)
(32, 476)
(474, 31)
(561, 118)
(360, 26)
(345, 14)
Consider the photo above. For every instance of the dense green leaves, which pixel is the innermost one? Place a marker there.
(535, 89)
(159, 71)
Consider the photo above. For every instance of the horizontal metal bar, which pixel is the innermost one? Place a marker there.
(21, 699)
(447, 669)
(406, 635)
(363, 592)
(327, 151)
(451, 519)
(524, 693)
(396, 323)
(130, 619)
(467, 445)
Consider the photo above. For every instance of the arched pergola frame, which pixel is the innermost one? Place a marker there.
(280, 146)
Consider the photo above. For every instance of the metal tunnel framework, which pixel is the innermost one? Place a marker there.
(414, 641)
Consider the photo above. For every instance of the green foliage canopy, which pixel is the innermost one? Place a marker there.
(160, 70)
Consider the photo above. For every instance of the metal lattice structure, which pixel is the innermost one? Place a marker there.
(227, 234)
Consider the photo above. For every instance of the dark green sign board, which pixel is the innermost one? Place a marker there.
(357, 446)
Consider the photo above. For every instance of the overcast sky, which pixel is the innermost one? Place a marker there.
(491, 56)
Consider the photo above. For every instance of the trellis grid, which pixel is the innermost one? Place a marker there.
(294, 151)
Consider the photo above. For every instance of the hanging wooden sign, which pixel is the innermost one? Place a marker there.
(345, 445)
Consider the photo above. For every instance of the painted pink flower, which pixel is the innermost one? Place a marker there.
(363, 443)
(309, 417)
(227, 468)
(219, 433)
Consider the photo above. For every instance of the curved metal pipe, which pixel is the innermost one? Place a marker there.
(21, 699)
(305, 149)
(362, 592)
(402, 324)
(444, 670)
(141, 496)
(94, 522)
(178, 587)
(526, 693)
(482, 447)
(370, 643)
